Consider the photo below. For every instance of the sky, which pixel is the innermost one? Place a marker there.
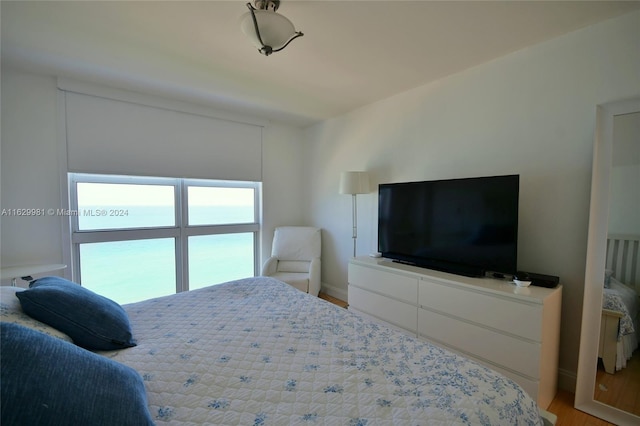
(106, 194)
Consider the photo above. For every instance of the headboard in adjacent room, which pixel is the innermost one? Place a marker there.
(623, 257)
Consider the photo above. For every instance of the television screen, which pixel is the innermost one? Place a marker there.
(464, 226)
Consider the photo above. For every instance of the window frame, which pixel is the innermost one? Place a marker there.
(181, 231)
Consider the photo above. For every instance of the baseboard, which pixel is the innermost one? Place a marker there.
(337, 292)
(548, 419)
(567, 380)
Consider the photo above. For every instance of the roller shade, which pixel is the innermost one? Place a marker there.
(119, 137)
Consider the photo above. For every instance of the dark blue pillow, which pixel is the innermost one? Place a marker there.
(47, 381)
(92, 321)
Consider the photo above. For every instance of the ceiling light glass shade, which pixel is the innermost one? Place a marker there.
(274, 33)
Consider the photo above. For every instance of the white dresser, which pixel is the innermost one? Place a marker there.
(513, 330)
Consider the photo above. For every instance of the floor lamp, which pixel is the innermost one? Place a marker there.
(354, 183)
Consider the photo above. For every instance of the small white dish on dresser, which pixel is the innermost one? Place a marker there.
(520, 283)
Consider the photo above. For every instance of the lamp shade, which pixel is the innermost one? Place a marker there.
(276, 30)
(354, 183)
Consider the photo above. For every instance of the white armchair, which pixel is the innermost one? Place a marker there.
(295, 258)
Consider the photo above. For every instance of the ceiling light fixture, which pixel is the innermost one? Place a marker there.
(269, 31)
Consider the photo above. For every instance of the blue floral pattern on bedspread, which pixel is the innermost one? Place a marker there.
(614, 302)
(259, 352)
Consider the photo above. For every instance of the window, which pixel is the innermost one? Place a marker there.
(135, 238)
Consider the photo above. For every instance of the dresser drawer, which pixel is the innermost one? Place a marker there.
(397, 286)
(521, 356)
(510, 316)
(395, 312)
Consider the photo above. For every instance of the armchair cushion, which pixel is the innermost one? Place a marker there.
(296, 243)
(294, 266)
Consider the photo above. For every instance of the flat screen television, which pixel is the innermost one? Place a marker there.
(464, 226)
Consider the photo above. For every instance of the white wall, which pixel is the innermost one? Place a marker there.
(624, 209)
(30, 174)
(530, 113)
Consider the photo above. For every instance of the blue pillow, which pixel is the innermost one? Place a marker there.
(92, 321)
(47, 381)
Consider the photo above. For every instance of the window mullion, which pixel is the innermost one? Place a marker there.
(220, 229)
(73, 225)
(182, 251)
(123, 235)
(257, 243)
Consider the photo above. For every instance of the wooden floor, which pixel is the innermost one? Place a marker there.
(561, 406)
(333, 300)
(622, 389)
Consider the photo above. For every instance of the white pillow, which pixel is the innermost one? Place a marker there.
(625, 290)
(608, 274)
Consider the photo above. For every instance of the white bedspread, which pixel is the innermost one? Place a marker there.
(258, 352)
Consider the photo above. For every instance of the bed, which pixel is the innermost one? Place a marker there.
(619, 325)
(259, 352)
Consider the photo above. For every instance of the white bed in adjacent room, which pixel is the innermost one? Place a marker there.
(620, 303)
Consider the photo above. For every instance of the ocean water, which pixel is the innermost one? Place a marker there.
(129, 271)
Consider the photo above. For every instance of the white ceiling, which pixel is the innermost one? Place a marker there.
(353, 52)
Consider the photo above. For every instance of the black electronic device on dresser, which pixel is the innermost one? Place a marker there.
(540, 280)
(464, 226)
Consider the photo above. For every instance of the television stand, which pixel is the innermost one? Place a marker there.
(513, 330)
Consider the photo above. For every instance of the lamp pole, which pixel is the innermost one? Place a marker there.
(354, 183)
(355, 222)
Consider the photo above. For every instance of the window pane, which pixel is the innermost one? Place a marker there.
(214, 259)
(216, 206)
(115, 205)
(129, 271)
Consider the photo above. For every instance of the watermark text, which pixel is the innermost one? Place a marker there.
(31, 212)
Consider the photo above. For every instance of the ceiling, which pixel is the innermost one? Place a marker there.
(353, 52)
